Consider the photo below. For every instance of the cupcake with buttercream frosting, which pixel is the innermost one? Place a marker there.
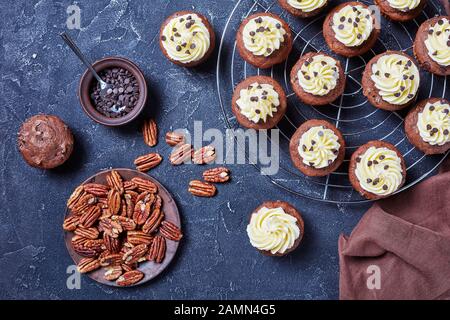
(401, 10)
(303, 8)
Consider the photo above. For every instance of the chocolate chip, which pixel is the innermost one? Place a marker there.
(313, 142)
(448, 43)
(369, 163)
(441, 22)
(386, 167)
(258, 20)
(429, 126)
(397, 94)
(376, 181)
(350, 20)
(184, 44)
(181, 19)
(254, 99)
(311, 149)
(399, 62)
(410, 96)
(385, 187)
(260, 29)
(377, 73)
(177, 35)
(402, 88)
(341, 26)
(387, 75)
(431, 108)
(382, 157)
(409, 63)
(358, 159)
(320, 133)
(257, 111)
(252, 33)
(315, 73)
(178, 48)
(369, 180)
(325, 87)
(174, 29)
(359, 36)
(303, 147)
(258, 86)
(355, 25)
(306, 63)
(278, 26)
(324, 63)
(269, 50)
(188, 52)
(430, 32)
(435, 53)
(342, 19)
(446, 132)
(188, 17)
(405, 77)
(330, 162)
(435, 130)
(311, 164)
(163, 38)
(438, 33)
(411, 77)
(446, 111)
(375, 162)
(336, 152)
(307, 77)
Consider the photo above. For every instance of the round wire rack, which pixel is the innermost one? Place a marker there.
(358, 121)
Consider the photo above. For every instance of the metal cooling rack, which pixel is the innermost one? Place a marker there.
(358, 121)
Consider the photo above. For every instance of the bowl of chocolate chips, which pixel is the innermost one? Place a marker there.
(126, 95)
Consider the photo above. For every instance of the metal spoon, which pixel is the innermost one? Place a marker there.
(103, 85)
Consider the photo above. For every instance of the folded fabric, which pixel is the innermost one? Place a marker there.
(401, 247)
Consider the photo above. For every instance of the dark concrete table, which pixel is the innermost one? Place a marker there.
(40, 75)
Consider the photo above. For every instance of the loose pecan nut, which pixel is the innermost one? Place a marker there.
(174, 138)
(126, 223)
(148, 161)
(113, 272)
(157, 250)
(181, 154)
(97, 244)
(139, 237)
(114, 201)
(111, 259)
(85, 251)
(129, 185)
(75, 197)
(150, 132)
(110, 227)
(71, 222)
(202, 189)
(87, 265)
(142, 208)
(115, 181)
(113, 245)
(145, 185)
(135, 254)
(90, 216)
(84, 203)
(96, 189)
(204, 155)
(217, 175)
(153, 221)
(89, 233)
(170, 231)
(129, 278)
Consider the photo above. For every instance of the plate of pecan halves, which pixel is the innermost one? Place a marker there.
(122, 227)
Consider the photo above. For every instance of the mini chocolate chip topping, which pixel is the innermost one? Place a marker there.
(411, 77)
(431, 108)
(174, 29)
(448, 43)
(269, 50)
(430, 32)
(313, 142)
(192, 46)
(434, 130)
(303, 147)
(342, 19)
(410, 96)
(181, 19)
(369, 180)
(355, 25)
(320, 133)
(311, 149)
(259, 86)
(438, 33)
(325, 87)
(358, 159)
(446, 132)
(409, 63)
(435, 53)
(311, 164)
(382, 157)
(336, 152)
(386, 167)
(163, 38)
(397, 94)
(377, 73)
(254, 99)
(258, 20)
(429, 127)
(440, 22)
(350, 20)
(369, 163)
(307, 77)
(376, 181)
(405, 77)
(385, 187)
(446, 111)
(387, 74)
(178, 48)
(252, 33)
(341, 27)
(359, 36)
(278, 26)
(315, 73)
(399, 62)
(375, 162)
(324, 63)
(306, 63)
(402, 88)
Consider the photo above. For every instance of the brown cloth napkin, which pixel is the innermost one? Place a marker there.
(407, 238)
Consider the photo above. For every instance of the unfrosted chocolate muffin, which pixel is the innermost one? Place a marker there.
(45, 141)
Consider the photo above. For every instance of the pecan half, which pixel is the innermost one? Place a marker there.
(97, 244)
(110, 227)
(174, 138)
(87, 265)
(153, 221)
(78, 240)
(84, 203)
(75, 197)
(129, 278)
(71, 222)
(130, 203)
(89, 233)
(112, 273)
(96, 189)
(135, 254)
(170, 231)
(90, 216)
(181, 154)
(128, 267)
(150, 132)
(139, 237)
(85, 252)
(148, 161)
(126, 223)
(204, 155)
(111, 244)
(157, 250)
(115, 181)
(217, 175)
(142, 208)
(202, 189)
(114, 201)
(145, 185)
(110, 259)
(129, 185)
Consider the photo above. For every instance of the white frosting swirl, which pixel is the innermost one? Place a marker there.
(379, 171)
(434, 123)
(273, 230)
(352, 25)
(404, 5)
(307, 5)
(258, 101)
(318, 76)
(438, 42)
(186, 38)
(396, 77)
(319, 147)
(263, 35)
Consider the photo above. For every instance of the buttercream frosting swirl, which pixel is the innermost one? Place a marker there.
(318, 147)
(272, 229)
(263, 35)
(404, 5)
(434, 123)
(379, 171)
(438, 42)
(318, 75)
(307, 5)
(186, 38)
(352, 25)
(396, 77)
(258, 101)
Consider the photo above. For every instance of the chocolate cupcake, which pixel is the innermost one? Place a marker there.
(432, 45)
(391, 80)
(264, 39)
(317, 79)
(187, 38)
(350, 29)
(259, 102)
(317, 148)
(401, 10)
(303, 8)
(377, 169)
(427, 126)
(45, 141)
(276, 228)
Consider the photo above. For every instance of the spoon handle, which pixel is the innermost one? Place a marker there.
(68, 40)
